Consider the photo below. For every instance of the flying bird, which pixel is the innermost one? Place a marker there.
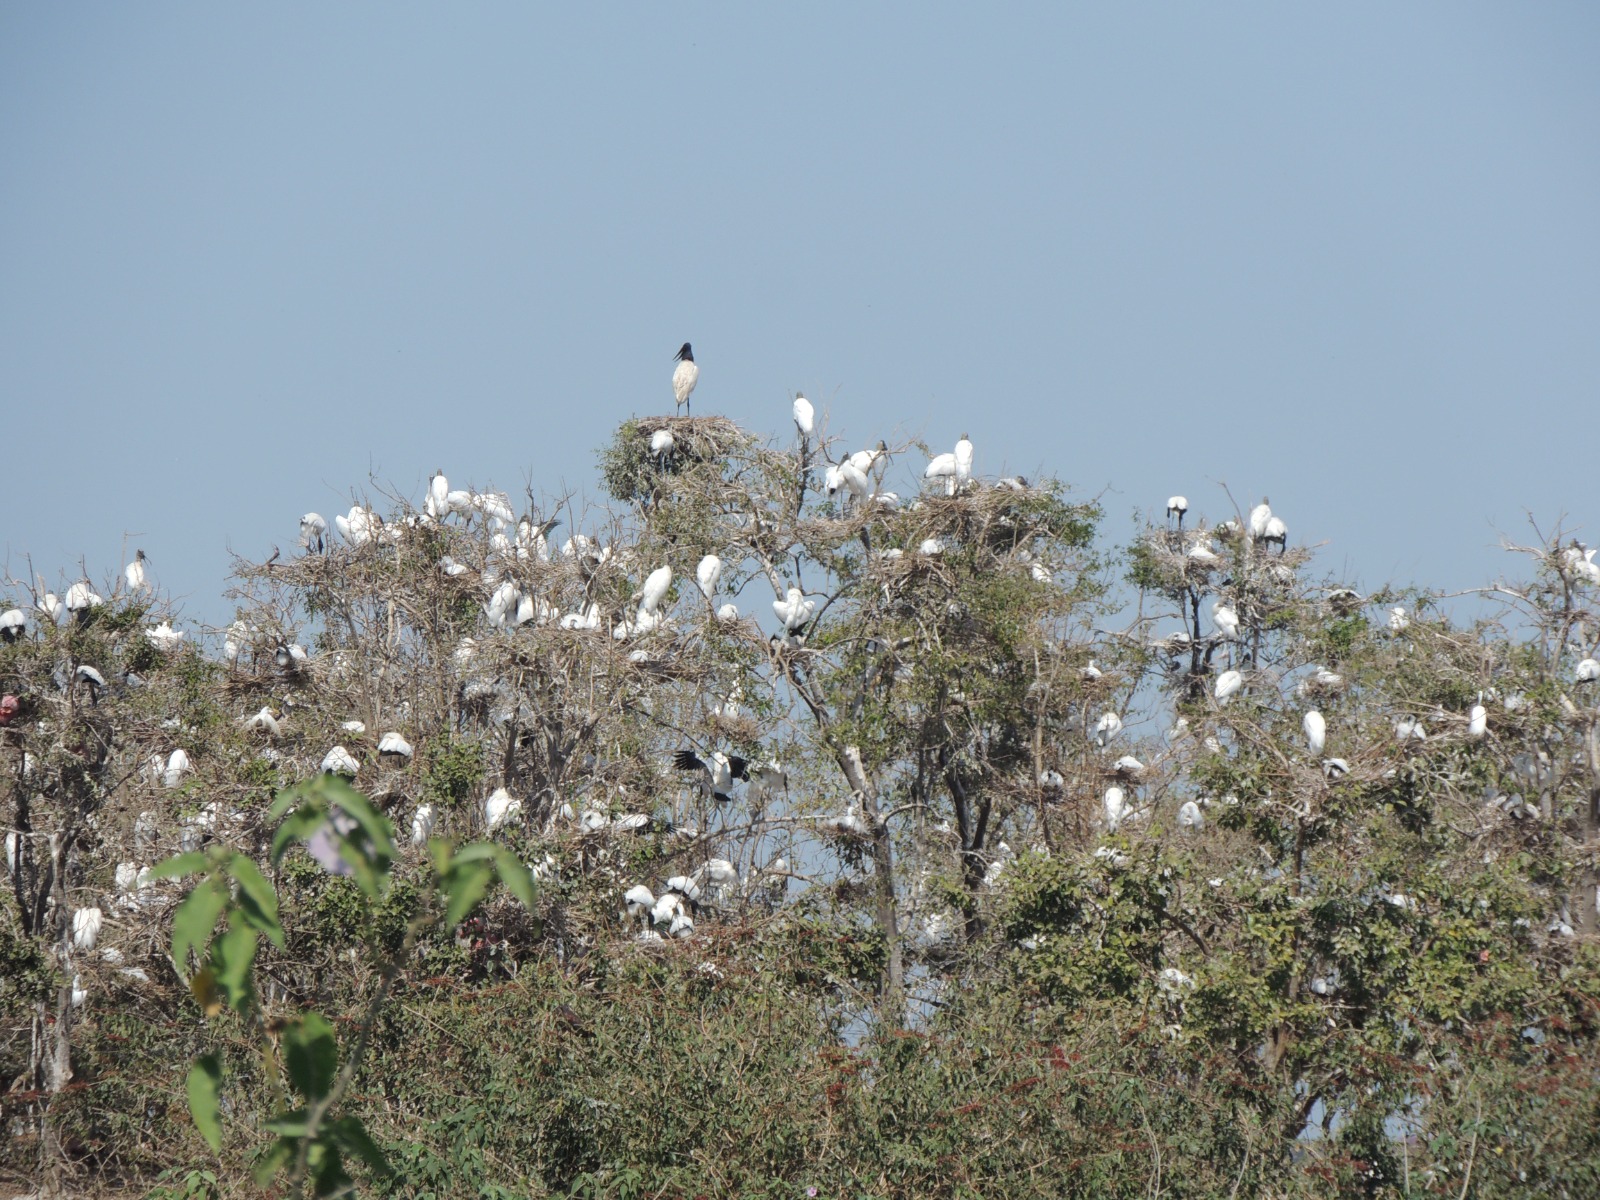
(684, 376)
(720, 772)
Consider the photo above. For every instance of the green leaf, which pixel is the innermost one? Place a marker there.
(465, 886)
(293, 1125)
(194, 920)
(178, 866)
(380, 833)
(256, 898)
(205, 1088)
(353, 1136)
(296, 827)
(311, 1054)
(518, 879)
(233, 955)
(279, 1156)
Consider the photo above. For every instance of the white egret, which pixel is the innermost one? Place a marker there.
(134, 574)
(177, 769)
(12, 625)
(1398, 621)
(1228, 683)
(1190, 816)
(422, 823)
(500, 807)
(1316, 730)
(1115, 804)
(1408, 729)
(314, 532)
(720, 771)
(437, 502)
(262, 722)
(1477, 721)
(1587, 671)
(1177, 505)
(662, 442)
(86, 924)
(684, 376)
(1226, 618)
(728, 613)
(932, 547)
(655, 587)
(340, 761)
(707, 573)
(804, 415)
(794, 611)
(963, 456)
(1259, 516)
(392, 743)
(1107, 728)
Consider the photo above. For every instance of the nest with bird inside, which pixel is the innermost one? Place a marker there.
(647, 450)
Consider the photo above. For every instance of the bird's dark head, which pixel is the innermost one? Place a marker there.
(685, 354)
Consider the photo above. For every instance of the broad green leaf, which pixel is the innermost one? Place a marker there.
(518, 879)
(311, 1054)
(371, 822)
(464, 886)
(296, 827)
(233, 955)
(194, 920)
(280, 1155)
(289, 1124)
(256, 898)
(353, 1136)
(178, 866)
(205, 1106)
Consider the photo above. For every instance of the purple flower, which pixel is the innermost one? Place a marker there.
(811, 1191)
(324, 843)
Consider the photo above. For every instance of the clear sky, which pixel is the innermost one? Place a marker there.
(1345, 255)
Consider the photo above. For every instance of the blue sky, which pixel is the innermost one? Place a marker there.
(1348, 256)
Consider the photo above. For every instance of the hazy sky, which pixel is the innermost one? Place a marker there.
(1346, 255)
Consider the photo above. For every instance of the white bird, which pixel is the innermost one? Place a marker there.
(1172, 981)
(500, 807)
(13, 624)
(832, 480)
(340, 761)
(1107, 728)
(1202, 552)
(164, 637)
(314, 532)
(1587, 671)
(1477, 721)
(422, 823)
(963, 456)
(176, 770)
(684, 376)
(87, 674)
(1276, 531)
(728, 613)
(1128, 765)
(354, 726)
(662, 442)
(932, 547)
(682, 926)
(262, 722)
(393, 743)
(639, 900)
(86, 924)
(1226, 619)
(667, 906)
(1259, 516)
(359, 526)
(134, 573)
(722, 872)
(943, 466)
(1398, 621)
(804, 415)
(794, 611)
(79, 992)
(50, 605)
(1190, 816)
(707, 573)
(81, 598)
(1115, 804)
(655, 587)
(1316, 729)
(684, 886)
(1177, 505)
(855, 479)
(720, 772)
(437, 502)
(1228, 683)
(1409, 729)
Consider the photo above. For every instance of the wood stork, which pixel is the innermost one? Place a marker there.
(1177, 505)
(1226, 618)
(943, 466)
(1115, 805)
(164, 637)
(794, 611)
(177, 769)
(1316, 731)
(804, 415)
(86, 924)
(13, 624)
(422, 823)
(49, 604)
(1190, 816)
(1107, 728)
(1259, 516)
(655, 587)
(1399, 622)
(1277, 531)
(720, 772)
(639, 901)
(393, 745)
(728, 613)
(340, 761)
(499, 808)
(707, 573)
(1587, 671)
(1228, 683)
(82, 599)
(134, 574)
(963, 456)
(1408, 729)
(437, 502)
(661, 443)
(684, 376)
(262, 722)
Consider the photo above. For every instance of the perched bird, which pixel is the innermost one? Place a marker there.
(1316, 729)
(13, 624)
(655, 587)
(1115, 804)
(684, 376)
(794, 611)
(437, 502)
(639, 900)
(1177, 505)
(1228, 683)
(176, 770)
(804, 415)
(422, 823)
(963, 456)
(86, 924)
(1276, 531)
(340, 761)
(1259, 516)
(314, 532)
(1107, 728)
(943, 466)
(1226, 619)
(164, 637)
(707, 574)
(263, 721)
(1398, 621)
(662, 442)
(134, 573)
(1477, 721)
(500, 807)
(392, 744)
(1588, 671)
(1190, 816)
(1408, 729)
(720, 772)
(81, 599)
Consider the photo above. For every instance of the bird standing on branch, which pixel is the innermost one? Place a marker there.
(685, 376)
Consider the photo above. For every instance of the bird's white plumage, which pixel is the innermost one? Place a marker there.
(1228, 683)
(655, 587)
(684, 377)
(1316, 731)
(804, 415)
(707, 573)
